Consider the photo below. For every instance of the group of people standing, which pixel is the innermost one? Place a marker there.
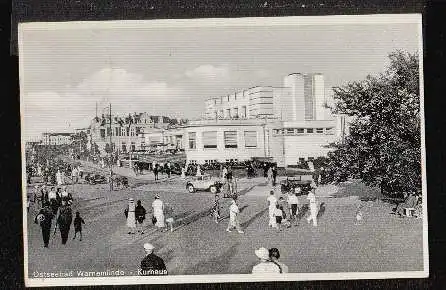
(283, 212)
(136, 215)
(270, 173)
(64, 218)
(157, 168)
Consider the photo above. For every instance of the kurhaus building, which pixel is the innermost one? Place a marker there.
(289, 124)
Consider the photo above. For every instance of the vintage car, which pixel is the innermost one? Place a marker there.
(291, 183)
(95, 179)
(204, 182)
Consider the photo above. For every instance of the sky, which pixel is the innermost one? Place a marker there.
(171, 71)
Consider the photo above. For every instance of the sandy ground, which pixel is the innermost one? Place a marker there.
(383, 242)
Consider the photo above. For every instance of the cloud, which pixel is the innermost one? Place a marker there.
(75, 105)
(208, 72)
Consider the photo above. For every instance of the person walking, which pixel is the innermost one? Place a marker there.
(156, 171)
(44, 218)
(65, 195)
(265, 265)
(313, 208)
(293, 201)
(224, 172)
(64, 221)
(158, 212)
(272, 201)
(274, 174)
(233, 217)
(59, 177)
(269, 178)
(140, 215)
(53, 199)
(152, 265)
(278, 216)
(216, 209)
(78, 221)
(130, 215)
(274, 255)
(265, 171)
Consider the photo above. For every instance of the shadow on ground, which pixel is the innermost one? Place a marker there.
(219, 264)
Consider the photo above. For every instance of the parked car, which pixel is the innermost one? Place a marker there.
(291, 183)
(95, 179)
(204, 182)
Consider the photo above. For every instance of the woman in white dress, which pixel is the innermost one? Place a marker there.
(158, 212)
(131, 220)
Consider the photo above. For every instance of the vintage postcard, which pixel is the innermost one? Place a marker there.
(223, 150)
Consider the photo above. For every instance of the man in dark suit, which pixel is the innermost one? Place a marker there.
(45, 217)
(152, 265)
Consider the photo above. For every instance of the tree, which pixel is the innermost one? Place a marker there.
(384, 145)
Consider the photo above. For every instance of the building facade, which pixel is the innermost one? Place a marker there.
(127, 133)
(290, 123)
(287, 142)
(302, 97)
(56, 138)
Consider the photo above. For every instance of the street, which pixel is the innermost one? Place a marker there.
(197, 245)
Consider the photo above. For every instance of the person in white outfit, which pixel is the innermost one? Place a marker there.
(313, 208)
(266, 265)
(59, 178)
(233, 217)
(272, 201)
(158, 212)
(131, 220)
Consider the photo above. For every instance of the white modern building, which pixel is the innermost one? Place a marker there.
(290, 124)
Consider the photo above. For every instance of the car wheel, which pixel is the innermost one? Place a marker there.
(190, 188)
(213, 189)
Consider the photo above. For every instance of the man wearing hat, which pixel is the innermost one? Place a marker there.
(152, 264)
(265, 265)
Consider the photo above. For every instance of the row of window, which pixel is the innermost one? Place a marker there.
(120, 131)
(233, 113)
(296, 131)
(209, 139)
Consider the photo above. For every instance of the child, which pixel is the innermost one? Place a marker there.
(216, 209)
(78, 221)
(278, 214)
(358, 215)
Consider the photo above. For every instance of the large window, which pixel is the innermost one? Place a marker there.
(309, 130)
(300, 130)
(319, 130)
(192, 140)
(230, 138)
(117, 131)
(102, 132)
(329, 130)
(124, 147)
(133, 146)
(235, 113)
(250, 139)
(290, 131)
(210, 139)
(243, 113)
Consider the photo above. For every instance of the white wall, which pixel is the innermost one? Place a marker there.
(319, 96)
(221, 153)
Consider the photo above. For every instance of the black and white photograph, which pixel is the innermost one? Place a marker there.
(223, 150)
